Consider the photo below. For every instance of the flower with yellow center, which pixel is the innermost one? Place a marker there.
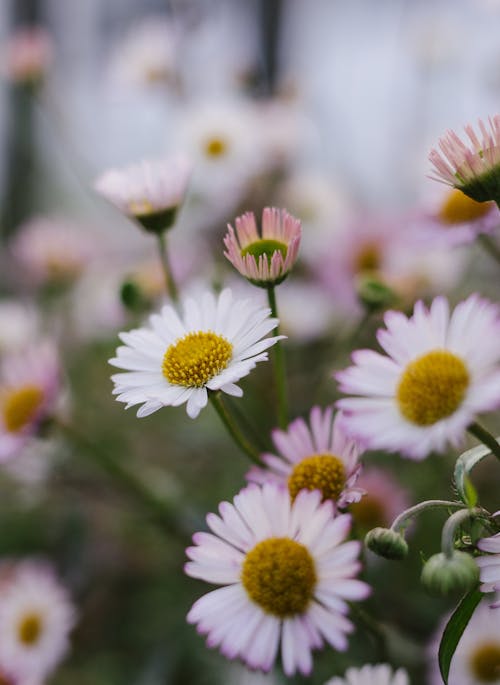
(150, 192)
(314, 456)
(489, 565)
(36, 617)
(29, 389)
(218, 341)
(286, 573)
(442, 369)
(477, 658)
(385, 499)
(264, 258)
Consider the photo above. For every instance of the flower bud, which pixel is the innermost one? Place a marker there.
(387, 543)
(374, 294)
(443, 575)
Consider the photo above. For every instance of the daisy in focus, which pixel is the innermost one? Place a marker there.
(489, 565)
(30, 385)
(150, 192)
(318, 456)
(441, 370)
(36, 617)
(473, 167)
(287, 574)
(264, 258)
(382, 674)
(179, 359)
(477, 658)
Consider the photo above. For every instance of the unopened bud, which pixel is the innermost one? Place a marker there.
(387, 543)
(453, 575)
(374, 294)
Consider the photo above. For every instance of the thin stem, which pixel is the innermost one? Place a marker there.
(490, 246)
(401, 521)
(233, 429)
(451, 525)
(375, 628)
(279, 365)
(167, 271)
(122, 473)
(485, 437)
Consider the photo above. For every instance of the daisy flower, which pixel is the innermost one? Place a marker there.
(474, 167)
(440, 372)
(36, 617)
(489, 565)
(218, 341)
(318, 456)
(286, 572)
(29, 390)
(384, 499)
(477, 658)
(150, 192)
(264, 258)
(382, 674)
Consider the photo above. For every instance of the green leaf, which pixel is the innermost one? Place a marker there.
(470, 493)
(465, 463)
(454, 630)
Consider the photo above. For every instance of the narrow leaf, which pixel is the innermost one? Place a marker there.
(465, 463)
(454, 630)
(470, 493)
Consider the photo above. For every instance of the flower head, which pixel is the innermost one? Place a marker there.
(29, 390)
(440, 372)
(36, 617)
(474, 168)
(177, 360)
(317, 456)
(265, 258)
(382, 674)
(286, 572)
(150, 192)
(489, 565)
(28, 54)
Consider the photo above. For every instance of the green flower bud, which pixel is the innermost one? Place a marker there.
(454, 575)
(374, 294)
(387, 543)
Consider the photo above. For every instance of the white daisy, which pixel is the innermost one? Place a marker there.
(318, 456)
(477, 658)
(150, 192)
(36, 617)
(489, 565)
(177, 360)
(382, 674)
(440, 372)
(287, 576)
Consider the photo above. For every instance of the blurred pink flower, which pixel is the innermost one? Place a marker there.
(384, 499)
(28, 54)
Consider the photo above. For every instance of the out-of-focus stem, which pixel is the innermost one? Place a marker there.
(485, 437)
(233, 430)
(167, 271)
(279, 365)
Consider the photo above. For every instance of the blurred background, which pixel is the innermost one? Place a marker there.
(327, 108)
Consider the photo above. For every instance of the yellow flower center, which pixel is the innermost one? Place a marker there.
(216, 147)
(279, 575)
(458, 208)
(20, 407)
(369, 513)
(324, 472)
(367, 259)
(196, 358)
(432, 387)
(140, 208)
(29, 629)
(485, 662)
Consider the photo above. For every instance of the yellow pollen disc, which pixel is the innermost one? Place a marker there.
(485, 662)
(29, 629)
(432, 387)
(196, 358)
(367, 259)
(141, 208)
(279, 575)
(216, 147)
(369, 513)
(324, 472)
(20, 407)
(458, 208)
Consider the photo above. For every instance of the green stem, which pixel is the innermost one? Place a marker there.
(279, 365)
(130, 481)
(167, 271)
(490, 246)
(485, 437)
(375, 628)
(233, 430)
(401, 521)
(451, 525)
